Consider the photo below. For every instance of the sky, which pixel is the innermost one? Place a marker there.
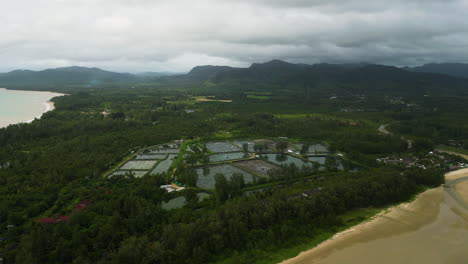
(176, 35)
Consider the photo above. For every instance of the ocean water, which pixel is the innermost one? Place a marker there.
(23, 106)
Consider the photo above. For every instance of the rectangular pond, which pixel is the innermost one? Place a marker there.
(228, 156)
(164, 165)
(150, 156)
(286, 160)
(163, 150)
(249, 143)
(138, 165)
(206, 175)
(221, 147)
(181, 201)
(319, 159)
(257, 166)
(313, 147)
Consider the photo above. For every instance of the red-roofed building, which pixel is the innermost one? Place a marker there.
(53, 220)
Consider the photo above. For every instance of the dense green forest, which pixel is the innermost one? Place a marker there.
(50, 165)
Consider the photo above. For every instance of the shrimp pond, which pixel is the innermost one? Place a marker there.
(253, 159)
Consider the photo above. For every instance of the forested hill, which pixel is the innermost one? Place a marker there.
(63, 76)
(452, 69)
(330, 79)
(319, 79)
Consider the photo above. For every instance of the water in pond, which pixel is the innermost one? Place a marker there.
(313, 148)
(433, 229)
(318, 159)
(249, 143)
(138, 165)
(175, 203)
(286, 160)
(257, 166)
(221, 147)
(206, 175)
(164, 165)
(227, 156)
(154, 156)
(163, 150)
(202, 196)
(181, 201)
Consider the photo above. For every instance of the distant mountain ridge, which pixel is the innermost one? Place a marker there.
(341, 79)
(452, 69)
(72, 76)
(320, 79)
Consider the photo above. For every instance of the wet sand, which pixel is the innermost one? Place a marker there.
(462, 190)
(433, 229)
(458, 174)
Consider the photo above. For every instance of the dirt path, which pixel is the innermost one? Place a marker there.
(453, 153)
(383, 129)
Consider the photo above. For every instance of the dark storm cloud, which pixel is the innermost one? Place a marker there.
(143, 35)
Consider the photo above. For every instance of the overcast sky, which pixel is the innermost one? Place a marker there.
(175, 35)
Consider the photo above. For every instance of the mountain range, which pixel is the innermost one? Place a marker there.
(452, 69)
(350, 79)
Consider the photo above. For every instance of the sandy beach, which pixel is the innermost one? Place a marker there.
(454, 175)
(396, 221)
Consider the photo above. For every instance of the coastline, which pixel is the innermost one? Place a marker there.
(48, 106)
(395, 212)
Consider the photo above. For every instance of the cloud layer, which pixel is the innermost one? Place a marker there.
(175, 35)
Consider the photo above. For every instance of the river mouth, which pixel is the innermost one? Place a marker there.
(432, 229)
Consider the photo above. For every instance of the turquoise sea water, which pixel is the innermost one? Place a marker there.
(23, 106)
